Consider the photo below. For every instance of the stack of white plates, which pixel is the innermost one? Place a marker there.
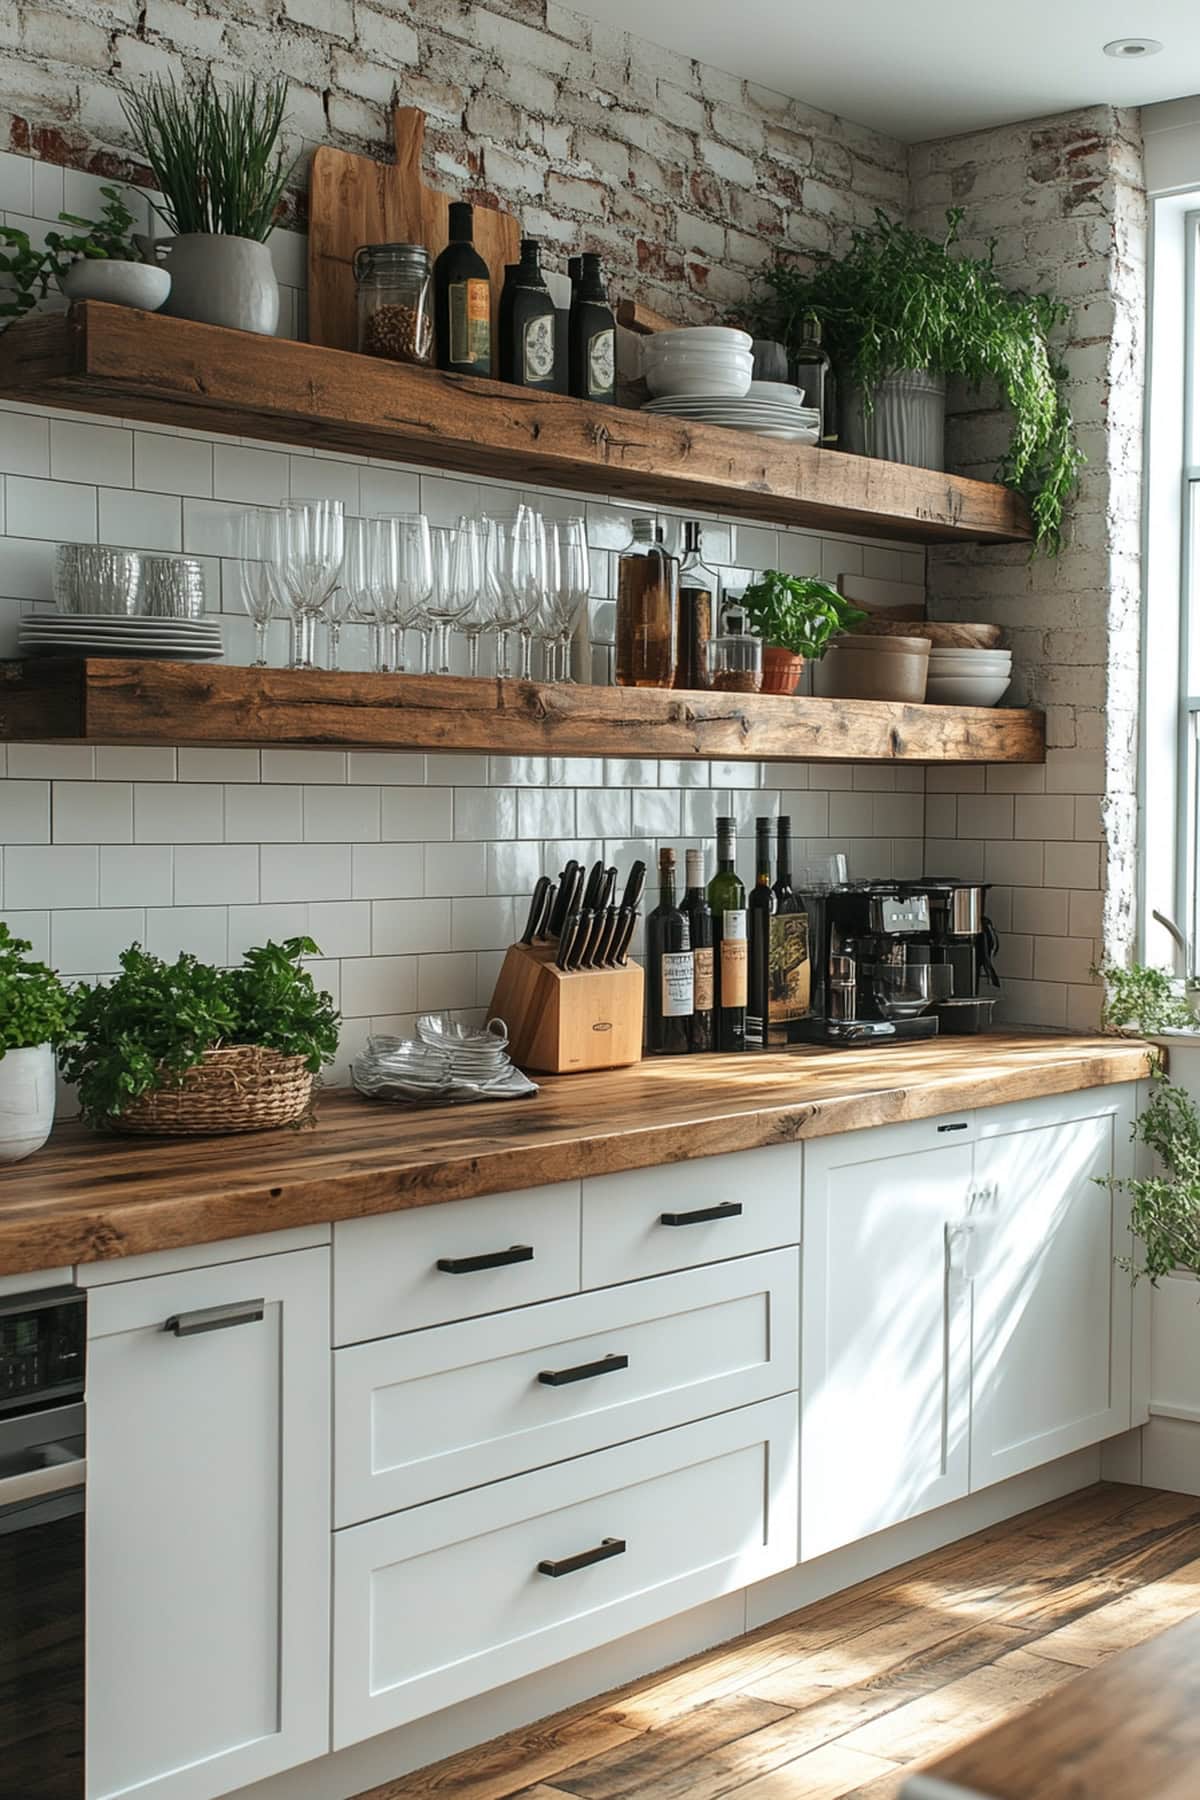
(107, 634)
(967, 677)
(768, 415)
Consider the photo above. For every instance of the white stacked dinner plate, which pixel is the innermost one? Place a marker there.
(768, 415)
(105, 634)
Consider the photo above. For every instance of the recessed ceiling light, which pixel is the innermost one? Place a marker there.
(1127, 48)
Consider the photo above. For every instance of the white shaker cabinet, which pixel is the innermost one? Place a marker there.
(885, 1329)
(1052, 1308)
(208, 1527)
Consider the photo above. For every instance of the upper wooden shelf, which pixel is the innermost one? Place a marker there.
(107, 701)
(115, 360)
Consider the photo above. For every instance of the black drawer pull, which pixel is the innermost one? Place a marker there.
(492, 1259)
(608, 1365)
(729, 1209)
(215, 1318)
(961, 1125)
(568, 1564)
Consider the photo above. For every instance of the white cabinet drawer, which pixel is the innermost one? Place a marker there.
(648, 1221)
(435, 1605)
(434, 1412)
(401, 1271)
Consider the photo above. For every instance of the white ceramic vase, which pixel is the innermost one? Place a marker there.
(120, 283)
(907, 423)
(26, 1101)
(220, 280)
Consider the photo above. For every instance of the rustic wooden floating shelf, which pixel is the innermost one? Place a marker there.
(136, 365)
(105, 701)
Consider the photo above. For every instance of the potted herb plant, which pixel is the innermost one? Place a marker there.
(901, 312)
(796, 617)
(217, 159)
(36, 1011)
(99, 261)
(187, 1048)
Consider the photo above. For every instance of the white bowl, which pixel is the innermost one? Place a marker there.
(695, 336)
(966, 690)
(722, 381)
(971, 664)
(120, 283)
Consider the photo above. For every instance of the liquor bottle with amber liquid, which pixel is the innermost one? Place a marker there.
(727, 898)
(698, 913)
(699, 607)
(647, 606)
(462, 300)
(669, 970)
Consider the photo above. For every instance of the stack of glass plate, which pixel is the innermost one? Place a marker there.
(108, 634)
(767, 416)
(445, 1063)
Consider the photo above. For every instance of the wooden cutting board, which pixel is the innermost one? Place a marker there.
(355, 200)
(941, 634)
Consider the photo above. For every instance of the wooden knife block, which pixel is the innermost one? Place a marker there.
(562, 1022)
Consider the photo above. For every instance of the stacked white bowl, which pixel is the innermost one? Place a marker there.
(960, 677)
(709, 360)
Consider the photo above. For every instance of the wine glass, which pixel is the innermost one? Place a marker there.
(361, 585)
(313, 542)
(568, 581)
(477, 617)
(515, 576)
(259, 559)
(408, 580)
(452, 593)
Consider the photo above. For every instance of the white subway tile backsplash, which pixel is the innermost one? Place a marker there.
(187, 813)
(218, 765)
(263, 815)
(216, 874)
(1073, 865)
(485, 812)
(201, 931)
(388, 768)
(444, 982)
(371, 983)
(141, 521)
(387, 871)
(251, 477)
(92, 812)
(137, 874)
(87, 942)
(62, 511)
(1044, 816)
(340, 927)
(25, 812)
(24, 442)
(53, 762)
(406, 927)
(304, 765)
(135, 762)
(305, 872)
(607, 812)
(656, 813)
(94, 453)
(412, 815)
(53, 875)
(545, 812)
(453, 869)
(172, 465)
(513, 868)
(341, 815)
(250, 926)
(482, 924)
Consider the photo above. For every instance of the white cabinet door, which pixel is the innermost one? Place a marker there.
(885, 1330)
(1052, 1312)
(208, 1525)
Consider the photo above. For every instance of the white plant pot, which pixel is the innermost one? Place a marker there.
(120, 283)
(1175, 1347)
(26, 1101)
(221, 280)
(907, 423)
(1183, 1059)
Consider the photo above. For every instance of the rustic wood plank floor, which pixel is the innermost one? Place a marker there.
(844, 1699)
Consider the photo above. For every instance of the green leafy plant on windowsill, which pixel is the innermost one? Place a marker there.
(798, 613)
(1142, 1002)
(35, 1006)
(1165, 1206)
(157, 1020)
(30, 272)
(900, 300)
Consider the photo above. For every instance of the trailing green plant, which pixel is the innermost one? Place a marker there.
(214, 151)
(798, 612)
(31, 271)
(35, 1006)
(901, 300)
(1141, 1002)
(156, 1020)
(1165, 1206)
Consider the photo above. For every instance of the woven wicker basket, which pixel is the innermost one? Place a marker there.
(245, 1088)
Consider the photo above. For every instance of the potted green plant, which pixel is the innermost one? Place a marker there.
(216, 156)
(98, 261)
(902, 311)
(797, 617)
(187, 1048)
(36, 1012)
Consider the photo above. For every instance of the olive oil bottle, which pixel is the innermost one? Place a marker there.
(592, 336)
(527, 322)
(462, 300)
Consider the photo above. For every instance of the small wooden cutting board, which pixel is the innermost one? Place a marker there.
(355, 200)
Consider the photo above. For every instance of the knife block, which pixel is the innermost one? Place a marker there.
(566, 1021)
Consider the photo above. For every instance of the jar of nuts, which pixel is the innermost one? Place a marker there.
(395, 314)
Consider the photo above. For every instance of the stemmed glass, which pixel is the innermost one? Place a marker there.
(452, 589)
(568, 582)
(361, 585)
(476, 618)
(313, 544)
(516, 559)
(406, 563)
(259, 560)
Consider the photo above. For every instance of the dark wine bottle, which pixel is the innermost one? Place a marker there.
(462, 300)
(669, 972)
(814, 373)
(727, 898)
(790, 983)
(527, 323)
(698, 913)
(761, 910)
(592, 336)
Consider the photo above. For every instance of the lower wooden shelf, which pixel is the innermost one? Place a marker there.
(106, 701)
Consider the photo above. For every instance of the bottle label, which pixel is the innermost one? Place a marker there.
(734, 960)
(677, 985)
(789, 979)
(470, 321)
(539, 348)
(703, 979)
(602, 361)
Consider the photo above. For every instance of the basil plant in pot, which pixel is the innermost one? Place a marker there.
(36, 1015)
(216, 156)
(901, 312)
(797, 617)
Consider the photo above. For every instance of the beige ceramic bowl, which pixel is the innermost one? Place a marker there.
(874, 668)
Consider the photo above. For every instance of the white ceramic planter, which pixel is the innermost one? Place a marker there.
(907, 423)
(120, 283)
(26, 1101)
(1183, 1059)
(221, 280)
(1175, 1348)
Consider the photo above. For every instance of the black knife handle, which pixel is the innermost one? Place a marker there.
(562, 900)
(567, 1565)
(537, 907)
(491, 1259)
(607, 1365)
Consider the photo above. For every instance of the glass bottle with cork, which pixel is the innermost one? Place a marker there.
(699, 610)
(789, 990)
(647, 609)
(813, 371)
(669, 968)
(527, 322)
(761, 912)
(591, 335)
(727, 898)
(462, 299)
(701, 1029)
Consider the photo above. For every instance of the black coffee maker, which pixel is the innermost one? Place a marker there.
(966, 940)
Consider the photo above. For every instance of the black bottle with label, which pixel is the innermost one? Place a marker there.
(790, 983)
(592, 358)
(814, 373)
(669, 969)
(527, 323)
(727, 898)
(697, 911)
(462, 300)
(761, 910)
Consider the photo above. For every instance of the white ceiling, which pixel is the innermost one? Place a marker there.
(926, 68)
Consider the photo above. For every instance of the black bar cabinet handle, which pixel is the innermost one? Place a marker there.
(608, 1365)
(567, 1565)
(215, 1318)
(959, 1125)
(492, 1259)
(728, 1209)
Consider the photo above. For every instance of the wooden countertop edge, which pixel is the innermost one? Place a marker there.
(32, 1237)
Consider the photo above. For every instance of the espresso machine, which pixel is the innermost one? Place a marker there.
(902, 959)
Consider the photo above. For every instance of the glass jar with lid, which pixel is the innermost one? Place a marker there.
(735, 656)
(395, 312)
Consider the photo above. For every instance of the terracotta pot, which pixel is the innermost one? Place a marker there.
(781, 670)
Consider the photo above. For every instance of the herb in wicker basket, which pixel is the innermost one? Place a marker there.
(139, 1038)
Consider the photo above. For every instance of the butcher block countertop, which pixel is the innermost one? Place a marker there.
(86, 1198)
